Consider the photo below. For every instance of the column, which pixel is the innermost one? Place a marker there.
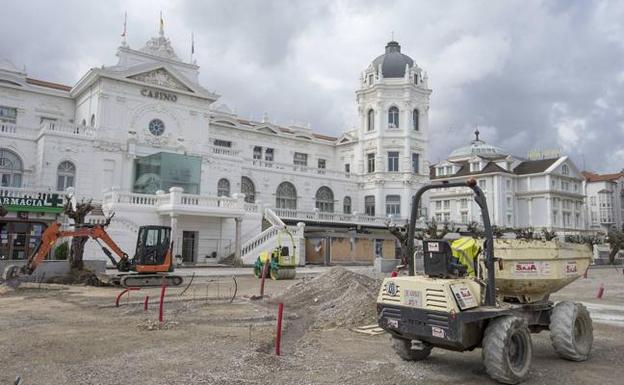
(238, 243)
(174, 234)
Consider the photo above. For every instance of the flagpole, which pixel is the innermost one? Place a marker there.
(192, 46)
(124, 35)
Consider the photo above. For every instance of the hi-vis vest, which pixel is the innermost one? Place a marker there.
(466, 249)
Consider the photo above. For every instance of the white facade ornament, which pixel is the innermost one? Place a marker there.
(160, 46)
(160, 77)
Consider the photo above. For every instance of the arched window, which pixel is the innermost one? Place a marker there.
(248, 188)
(223, 188)
(92, 120)
(325, 200)
(370, 120)
(11, 169)
(416, 119)
(286, 196)
(84, 122)
(346, 205)
(393, 117)
(65, 175)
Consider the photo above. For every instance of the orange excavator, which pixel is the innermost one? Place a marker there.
(152, 262)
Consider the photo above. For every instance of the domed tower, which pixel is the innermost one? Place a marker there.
(393, 105)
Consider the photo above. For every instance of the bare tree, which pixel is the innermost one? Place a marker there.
(616, 241)
(78, 214)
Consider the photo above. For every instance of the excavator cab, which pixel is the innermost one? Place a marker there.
(152, 245)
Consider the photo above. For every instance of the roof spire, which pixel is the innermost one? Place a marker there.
(476, 134)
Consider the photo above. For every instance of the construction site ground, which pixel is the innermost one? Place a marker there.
(58, 334)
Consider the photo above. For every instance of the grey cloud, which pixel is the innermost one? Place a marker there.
(507, 67)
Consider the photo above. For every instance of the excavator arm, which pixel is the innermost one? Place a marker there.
(53, 233)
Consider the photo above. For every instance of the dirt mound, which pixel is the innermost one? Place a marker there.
(77, 277)
(338, 297)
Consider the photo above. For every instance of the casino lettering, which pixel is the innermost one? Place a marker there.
(160, 95)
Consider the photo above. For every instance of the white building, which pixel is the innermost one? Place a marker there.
(545, 192)
(605, 200)
(145, 140)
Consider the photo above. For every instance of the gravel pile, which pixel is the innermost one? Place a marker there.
(338, 297)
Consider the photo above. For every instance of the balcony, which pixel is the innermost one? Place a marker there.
(66, 129)
(8, 128)
(175, 202)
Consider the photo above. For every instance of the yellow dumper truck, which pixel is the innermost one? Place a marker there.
(493, 300)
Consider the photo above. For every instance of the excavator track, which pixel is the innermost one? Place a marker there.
(147, 280)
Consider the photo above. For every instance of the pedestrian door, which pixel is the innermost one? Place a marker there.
(189, 246)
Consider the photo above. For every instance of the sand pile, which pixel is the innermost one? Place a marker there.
(338, 297)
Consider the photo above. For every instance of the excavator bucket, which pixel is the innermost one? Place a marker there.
(11, 275)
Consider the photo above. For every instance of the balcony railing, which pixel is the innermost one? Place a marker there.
(318, 216)
(68, 129)
(8, 128)
(259, 163)
(175, 201)
(189, 204)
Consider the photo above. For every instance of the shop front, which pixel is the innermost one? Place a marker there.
(23, 218)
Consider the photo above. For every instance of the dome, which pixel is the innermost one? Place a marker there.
(393, 61)
(478, 148)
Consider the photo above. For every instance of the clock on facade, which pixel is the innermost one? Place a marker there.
(156, 127)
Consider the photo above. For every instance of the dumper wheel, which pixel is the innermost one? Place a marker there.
(404, 349)
(507, 349)
(571, 331)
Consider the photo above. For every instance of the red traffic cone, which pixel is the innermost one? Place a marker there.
(600, 291)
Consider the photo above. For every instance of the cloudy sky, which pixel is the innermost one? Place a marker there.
(529, 74)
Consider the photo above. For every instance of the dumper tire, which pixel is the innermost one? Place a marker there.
(507, 349)
(403, 348)
(571, 331)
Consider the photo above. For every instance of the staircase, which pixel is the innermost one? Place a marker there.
(273, 237)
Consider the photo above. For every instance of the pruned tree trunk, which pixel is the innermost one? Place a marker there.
(78, 214)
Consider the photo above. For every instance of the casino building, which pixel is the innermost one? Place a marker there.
(145, 140)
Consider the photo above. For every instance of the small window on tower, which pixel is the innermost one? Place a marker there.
(393, 117)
